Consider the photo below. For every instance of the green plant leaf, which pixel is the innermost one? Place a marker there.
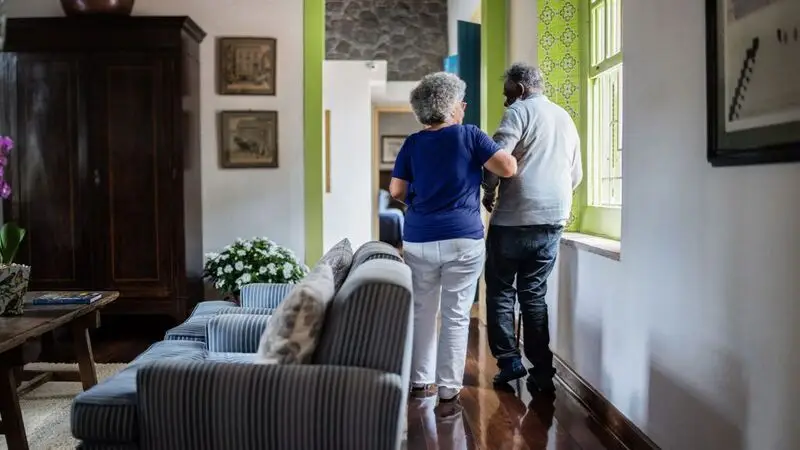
(11, 236)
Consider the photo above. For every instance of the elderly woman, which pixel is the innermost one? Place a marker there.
(438, 175)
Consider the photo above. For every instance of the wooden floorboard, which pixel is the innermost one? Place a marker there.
(489, 418)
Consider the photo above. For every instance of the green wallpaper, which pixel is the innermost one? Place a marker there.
(560, 56)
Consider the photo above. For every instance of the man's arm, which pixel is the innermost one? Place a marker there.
(508, 135)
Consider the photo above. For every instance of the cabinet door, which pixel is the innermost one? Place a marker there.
(130, 147)
(48, 171)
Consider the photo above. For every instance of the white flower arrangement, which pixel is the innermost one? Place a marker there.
(258, 260)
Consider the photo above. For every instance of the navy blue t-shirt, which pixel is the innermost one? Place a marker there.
(443, 169)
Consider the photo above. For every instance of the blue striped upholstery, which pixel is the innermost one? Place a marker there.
(236, 332)
(195, 327)
(369, 321)
(232, 357)
(246, 310)
(213, 406)
(107, 413)
(210, 307)
(264, 295)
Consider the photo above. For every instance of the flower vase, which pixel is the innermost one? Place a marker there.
(13, 287)
(231, 297)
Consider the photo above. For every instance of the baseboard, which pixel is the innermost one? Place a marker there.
(602, 409)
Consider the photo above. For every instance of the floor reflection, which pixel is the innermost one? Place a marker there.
(502, 418)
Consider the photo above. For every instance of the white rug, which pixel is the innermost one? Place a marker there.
(46, 409)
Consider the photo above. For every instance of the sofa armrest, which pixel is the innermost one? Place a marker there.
(246, 310)
(213, 406)
(235, 333)
(264, 295)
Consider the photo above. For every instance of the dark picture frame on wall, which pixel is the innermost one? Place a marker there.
(246, 65)
(753, 97)
(390, 147)
(248, 139)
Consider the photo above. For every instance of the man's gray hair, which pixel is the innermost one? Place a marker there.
(436, 96)
(530, 77)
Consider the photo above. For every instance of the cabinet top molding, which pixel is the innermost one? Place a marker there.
(100, 32)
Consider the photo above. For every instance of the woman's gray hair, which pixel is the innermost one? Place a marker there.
(527, 75)
(435, 97)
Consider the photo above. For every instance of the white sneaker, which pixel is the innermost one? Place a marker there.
(447, 394)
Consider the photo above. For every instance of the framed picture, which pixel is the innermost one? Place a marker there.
(246, 66)
(753, 103)
(248, 139)
(390, 147)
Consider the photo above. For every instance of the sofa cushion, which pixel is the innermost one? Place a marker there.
(340, 258)
(108, 411)
(210, 307)
(193, 329)
(296, 323)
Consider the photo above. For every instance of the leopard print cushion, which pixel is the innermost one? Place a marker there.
(295, 327)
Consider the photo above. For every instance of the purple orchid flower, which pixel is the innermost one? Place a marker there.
(6, 144)
(5, 190)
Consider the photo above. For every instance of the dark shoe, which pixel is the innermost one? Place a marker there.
(541, 381)
(513, 371)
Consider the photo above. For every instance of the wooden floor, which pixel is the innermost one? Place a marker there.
(486, 418)
(510, 419)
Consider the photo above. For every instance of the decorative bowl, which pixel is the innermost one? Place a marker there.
(97, 7)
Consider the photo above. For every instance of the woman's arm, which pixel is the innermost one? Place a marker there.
(495, 157)
(398, 189)
(502, 164)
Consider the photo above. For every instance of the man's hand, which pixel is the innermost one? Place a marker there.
(488, 202)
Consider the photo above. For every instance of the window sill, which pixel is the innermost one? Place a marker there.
(607, 248)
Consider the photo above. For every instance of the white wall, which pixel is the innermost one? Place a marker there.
(252, 202)
(693, 334)
(348, 207)
(522, 31)
(458, 10)
(396, 93)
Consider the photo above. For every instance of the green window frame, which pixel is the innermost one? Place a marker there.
(603, 126)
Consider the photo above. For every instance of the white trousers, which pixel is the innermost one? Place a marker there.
(445, 275)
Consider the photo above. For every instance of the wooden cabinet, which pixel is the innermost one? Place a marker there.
(106, 171)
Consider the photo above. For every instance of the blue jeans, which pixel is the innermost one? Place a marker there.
(525, 254)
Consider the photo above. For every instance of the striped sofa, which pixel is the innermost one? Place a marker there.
(205, 393)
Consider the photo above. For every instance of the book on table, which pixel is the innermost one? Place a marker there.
(66, 298)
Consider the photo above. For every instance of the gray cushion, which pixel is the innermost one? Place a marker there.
(340, 258)
(108, 412)
(294, 329)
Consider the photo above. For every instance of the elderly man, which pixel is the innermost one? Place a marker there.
(527, 222)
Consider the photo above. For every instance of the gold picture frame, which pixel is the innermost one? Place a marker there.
(248, 139)
(246, 66)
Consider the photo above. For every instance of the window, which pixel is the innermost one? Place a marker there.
(604, 133)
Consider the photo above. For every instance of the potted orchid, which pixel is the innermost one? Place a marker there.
(257, 260)
(13, 277)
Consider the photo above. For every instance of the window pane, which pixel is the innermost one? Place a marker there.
(605, 140)
(598, 33)
(613, 34)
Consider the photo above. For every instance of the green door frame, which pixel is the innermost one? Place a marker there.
(313, 57)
